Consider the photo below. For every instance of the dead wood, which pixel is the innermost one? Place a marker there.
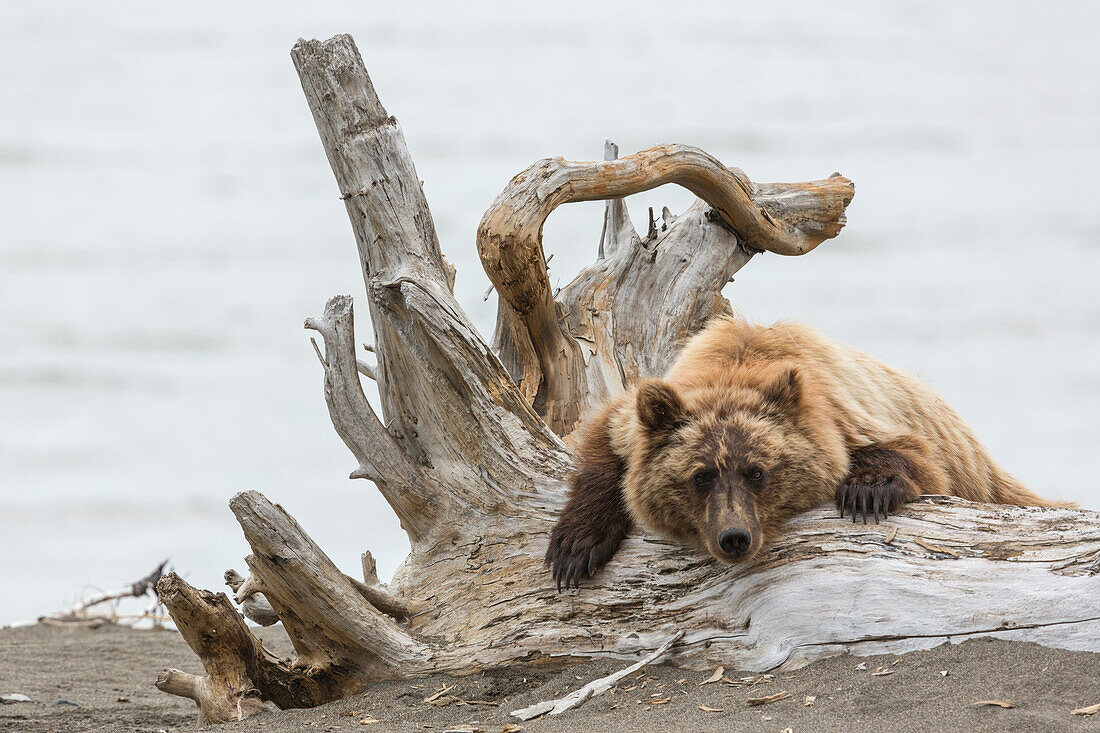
(468, 452)
(78, 612)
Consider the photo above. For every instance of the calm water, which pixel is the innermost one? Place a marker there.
(168, 219)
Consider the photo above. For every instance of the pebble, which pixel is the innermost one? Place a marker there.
(13, 698)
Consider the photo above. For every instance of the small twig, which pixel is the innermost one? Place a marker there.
(132, 619)
(440, 693)
(317, 349)
(757, 701)
(368, 347)
(935, 548)
(593, 688)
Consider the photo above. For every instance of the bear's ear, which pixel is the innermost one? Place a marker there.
(784, 387)
(660, 409)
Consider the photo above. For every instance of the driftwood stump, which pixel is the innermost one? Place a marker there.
(471, 453)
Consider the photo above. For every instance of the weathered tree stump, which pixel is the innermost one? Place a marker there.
(469, 453)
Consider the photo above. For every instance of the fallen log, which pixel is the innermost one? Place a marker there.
(470, 452)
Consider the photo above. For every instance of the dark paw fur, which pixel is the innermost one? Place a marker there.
(578, 553)
(873, 495)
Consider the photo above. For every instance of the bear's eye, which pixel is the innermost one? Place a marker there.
(704, 479)
(754, 474)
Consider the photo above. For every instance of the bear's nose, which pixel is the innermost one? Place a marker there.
(734, 540)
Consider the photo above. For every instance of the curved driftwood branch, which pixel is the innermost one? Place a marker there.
(789, 219)
(464, 453)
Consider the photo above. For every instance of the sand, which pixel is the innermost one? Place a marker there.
(101, 679)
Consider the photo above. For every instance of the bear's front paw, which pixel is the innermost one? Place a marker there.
(576, 553)
(870, 494)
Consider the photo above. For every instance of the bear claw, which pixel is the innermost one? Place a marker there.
(572, 559)
(873, 497)
(569, 567)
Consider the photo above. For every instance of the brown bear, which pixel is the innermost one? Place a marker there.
(751, 426)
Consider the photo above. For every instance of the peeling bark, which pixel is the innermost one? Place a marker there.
(468, 451)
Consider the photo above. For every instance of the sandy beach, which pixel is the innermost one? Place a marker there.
(101, 679)
(171, 218)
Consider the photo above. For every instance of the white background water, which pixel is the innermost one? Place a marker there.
(168, 218)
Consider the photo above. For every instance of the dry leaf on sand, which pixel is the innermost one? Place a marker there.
(714, 677)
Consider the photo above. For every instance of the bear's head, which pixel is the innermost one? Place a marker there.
(724, 463)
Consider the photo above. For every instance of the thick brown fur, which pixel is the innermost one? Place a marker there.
(753, 425)
(587, 544)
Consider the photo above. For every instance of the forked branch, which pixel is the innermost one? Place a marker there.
(381, 457)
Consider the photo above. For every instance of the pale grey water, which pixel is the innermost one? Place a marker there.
(168, 218)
